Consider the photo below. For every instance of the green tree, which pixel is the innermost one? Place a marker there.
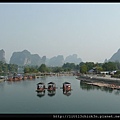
(109, 66)
(83, 68)
(27, 69)
(57, 69)
(69, 66)
(43, 68)
(89, 65)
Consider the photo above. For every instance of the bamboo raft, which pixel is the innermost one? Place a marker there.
(112, 86)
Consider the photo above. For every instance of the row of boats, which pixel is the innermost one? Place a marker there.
(17, 77)
(51, 88)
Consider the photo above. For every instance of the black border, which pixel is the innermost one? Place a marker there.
(61, 116)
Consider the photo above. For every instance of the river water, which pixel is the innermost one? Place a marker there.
(21, 97)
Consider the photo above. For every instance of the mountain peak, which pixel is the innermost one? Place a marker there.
(115, 57)
(118, 50)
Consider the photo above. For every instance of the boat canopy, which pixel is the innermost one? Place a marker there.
(51, 84)
(40, 83)
(67, 83)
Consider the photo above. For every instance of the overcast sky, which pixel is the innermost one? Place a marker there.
(92, 31)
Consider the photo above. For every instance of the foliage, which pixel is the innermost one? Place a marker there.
(8, 68)
(109, 66)
(83, 67)
(43, 68)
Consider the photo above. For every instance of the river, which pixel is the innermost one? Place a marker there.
(20, 97)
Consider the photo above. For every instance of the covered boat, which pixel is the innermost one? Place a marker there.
(66, 86)
(51, 86)
(40, 87)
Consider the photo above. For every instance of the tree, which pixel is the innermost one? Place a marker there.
(83, 68)
(89, 65)
(110, 66)
(57, 69)
(69, 66)
(26, 69)
(43, 68)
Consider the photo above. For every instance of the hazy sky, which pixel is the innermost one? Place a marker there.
(92, 31)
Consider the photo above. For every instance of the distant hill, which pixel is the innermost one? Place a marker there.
(24, 57)
(55, 61)
(73, 59)
(115, 57)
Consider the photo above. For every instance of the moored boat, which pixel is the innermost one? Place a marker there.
(40, 87)
(2, 78)
(67, 86)
(51, 86)
(10, 78)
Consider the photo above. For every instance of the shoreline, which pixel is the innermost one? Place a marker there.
(108, 82)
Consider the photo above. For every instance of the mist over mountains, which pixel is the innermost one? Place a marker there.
(24, 57)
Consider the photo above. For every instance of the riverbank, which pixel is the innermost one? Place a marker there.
(112, 86)
(106, 81)
(93, 78)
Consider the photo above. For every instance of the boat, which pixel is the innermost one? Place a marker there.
(67, 86)
(51, 86)
(10, 78)
(25, 77)
(40, 87)
(2, 78)
(20, 76)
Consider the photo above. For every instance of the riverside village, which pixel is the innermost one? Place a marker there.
(109, 79)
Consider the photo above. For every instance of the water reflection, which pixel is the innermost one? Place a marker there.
(51, 93)
(43, 78)
(41, 93)
(2, 84)
(67, 92)
(88, 87)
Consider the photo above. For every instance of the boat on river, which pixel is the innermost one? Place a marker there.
(2, 78)
(51, 86)
(67, 86)
(40, 87)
